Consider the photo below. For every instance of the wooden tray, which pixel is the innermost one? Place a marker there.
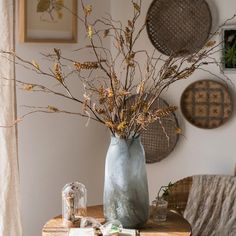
(207, 104)
(178, 27)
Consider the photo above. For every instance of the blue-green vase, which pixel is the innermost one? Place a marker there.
(126, 190)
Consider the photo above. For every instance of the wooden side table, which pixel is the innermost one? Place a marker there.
(174, 225)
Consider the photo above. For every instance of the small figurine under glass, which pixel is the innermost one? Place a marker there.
(74, 203)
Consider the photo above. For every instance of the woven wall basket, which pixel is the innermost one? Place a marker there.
(156, 144)
(207, 104)
(178, 27)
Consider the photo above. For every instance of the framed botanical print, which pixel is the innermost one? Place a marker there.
(229, 48)
(48, 21)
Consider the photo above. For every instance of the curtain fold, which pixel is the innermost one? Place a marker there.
(10, 220)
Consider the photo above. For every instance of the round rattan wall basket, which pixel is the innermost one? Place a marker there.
(178, 27)
(158, 144)
(207, 104)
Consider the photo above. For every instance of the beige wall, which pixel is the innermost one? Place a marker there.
(57, 149)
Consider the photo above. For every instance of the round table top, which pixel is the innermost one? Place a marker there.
(174, 225)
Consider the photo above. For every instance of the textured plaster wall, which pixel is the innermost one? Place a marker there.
(57, 149)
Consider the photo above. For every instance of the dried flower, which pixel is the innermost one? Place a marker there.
(124, 93)
(88, 10)
(28, 87)
(136, 6)
(130, 23)
(127, 35)
(35, 64)
(100, 111)
(52, 108)
(122, 126)
(140, 88)
(86, 65)
(58, 53)
(110, 124)
(106, 32)
(109, 93)
(58, 72)
(90, 31)
(165, 111)
(178, 130)
(210, 43)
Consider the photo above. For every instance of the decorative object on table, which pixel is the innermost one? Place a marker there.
(160, 138)
(164, 191)
(74, 202)
(112, 228)
(81, 232)
(160, 204)
(108, 80)
(179, 27)
(89, 222)
(126, 189)
(229, 48)
(48, 21)
(159, 213)
(97, 232)
(207, 104)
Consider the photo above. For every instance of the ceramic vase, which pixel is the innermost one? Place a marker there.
(126, 190)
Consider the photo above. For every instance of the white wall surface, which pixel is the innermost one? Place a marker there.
(57, 149)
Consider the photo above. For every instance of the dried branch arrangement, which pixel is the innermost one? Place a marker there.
(119, 89)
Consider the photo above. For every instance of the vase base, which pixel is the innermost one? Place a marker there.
(130, 218)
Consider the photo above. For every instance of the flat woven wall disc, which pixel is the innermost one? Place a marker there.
(179, 27)
(207, 104)
(158, 144)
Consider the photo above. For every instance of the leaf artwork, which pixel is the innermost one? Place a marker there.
(50, 9)
(43, 5)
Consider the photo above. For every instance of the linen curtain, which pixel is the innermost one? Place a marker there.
(10, 222)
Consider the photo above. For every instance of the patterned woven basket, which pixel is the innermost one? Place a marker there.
(178, 27)
(207, 104)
